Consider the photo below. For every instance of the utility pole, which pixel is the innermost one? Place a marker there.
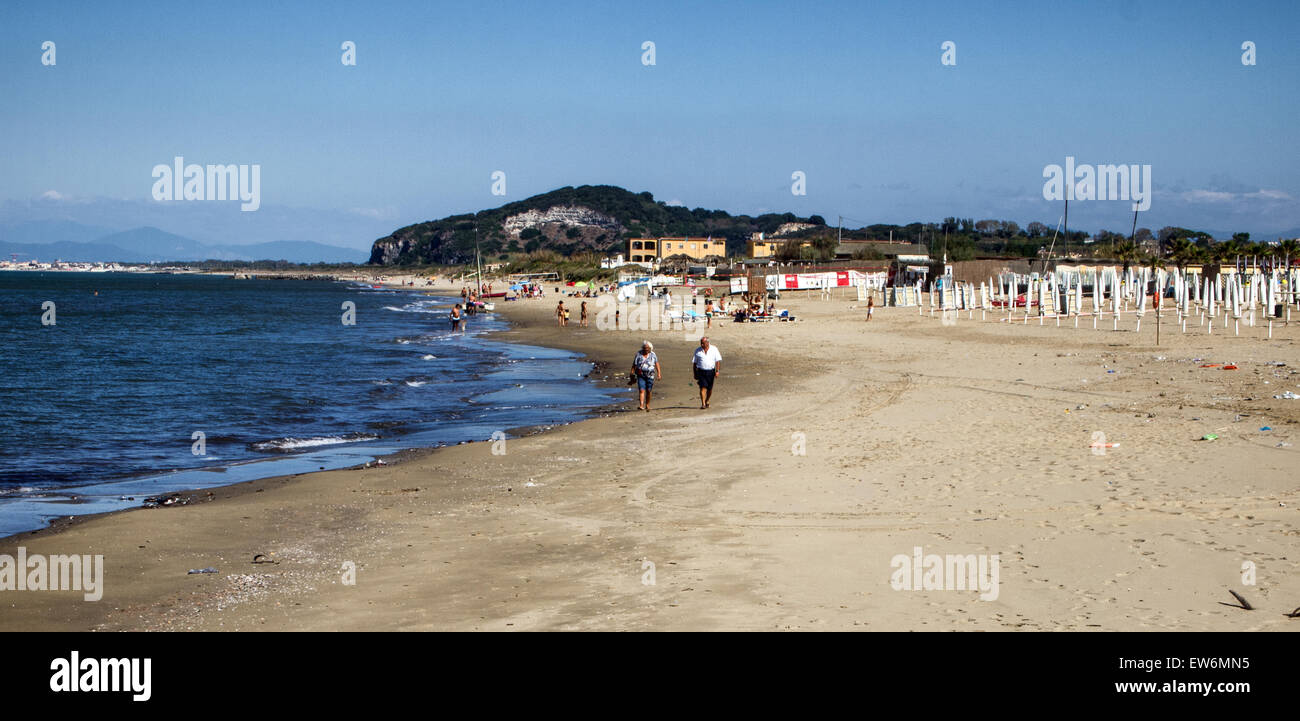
(1065, 228)
(1132, 238)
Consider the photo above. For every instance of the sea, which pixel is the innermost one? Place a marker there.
(118, 387)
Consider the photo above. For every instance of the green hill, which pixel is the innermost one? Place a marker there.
(597, 218)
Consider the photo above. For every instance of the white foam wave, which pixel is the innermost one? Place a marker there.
(290, 443)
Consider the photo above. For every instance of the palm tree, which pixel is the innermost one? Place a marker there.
(1181, 251)
(1128, 252)
(1225, 251)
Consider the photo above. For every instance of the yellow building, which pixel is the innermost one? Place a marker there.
(649, 250)
(760, 247)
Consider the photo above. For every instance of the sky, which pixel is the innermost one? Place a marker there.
(740, 96)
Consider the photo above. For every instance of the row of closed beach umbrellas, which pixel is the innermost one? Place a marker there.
(1063, 293)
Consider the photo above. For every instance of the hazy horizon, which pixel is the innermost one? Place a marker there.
(856, 98)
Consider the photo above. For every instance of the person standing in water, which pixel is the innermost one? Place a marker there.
(455, 318)
(707, 363)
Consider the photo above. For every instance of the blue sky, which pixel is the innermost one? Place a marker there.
(741, 95)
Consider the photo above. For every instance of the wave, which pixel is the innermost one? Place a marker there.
(416, 307)
(290, 443)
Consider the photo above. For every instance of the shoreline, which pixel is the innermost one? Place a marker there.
(833, 446)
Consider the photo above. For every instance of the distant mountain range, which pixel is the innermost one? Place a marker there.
(49, 240)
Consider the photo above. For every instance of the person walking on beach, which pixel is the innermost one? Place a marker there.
(559, 313)
(708, 312)
(871, 304)
(706, 363)
(646, 370)
(582, 320)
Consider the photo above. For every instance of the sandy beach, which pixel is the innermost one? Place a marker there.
(833, 446)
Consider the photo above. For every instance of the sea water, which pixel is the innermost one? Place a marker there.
(150, 383)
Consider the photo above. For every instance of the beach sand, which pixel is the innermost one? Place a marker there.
(969, 438)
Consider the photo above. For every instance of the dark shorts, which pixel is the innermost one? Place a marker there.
(455, 323)
(705, 378)
(645, 383)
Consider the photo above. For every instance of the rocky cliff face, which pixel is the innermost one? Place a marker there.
(787, 228)
(387, 251)
(564, 215)
(565, 227)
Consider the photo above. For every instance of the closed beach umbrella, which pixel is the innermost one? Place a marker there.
(1142, 294)
(1116, 290)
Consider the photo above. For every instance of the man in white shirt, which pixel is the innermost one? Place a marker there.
(707, 363)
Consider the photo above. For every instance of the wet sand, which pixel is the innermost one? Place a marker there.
(833, 445)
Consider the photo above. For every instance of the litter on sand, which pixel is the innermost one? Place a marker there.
(1288, 395)
(209, 569)
(1209, 437)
